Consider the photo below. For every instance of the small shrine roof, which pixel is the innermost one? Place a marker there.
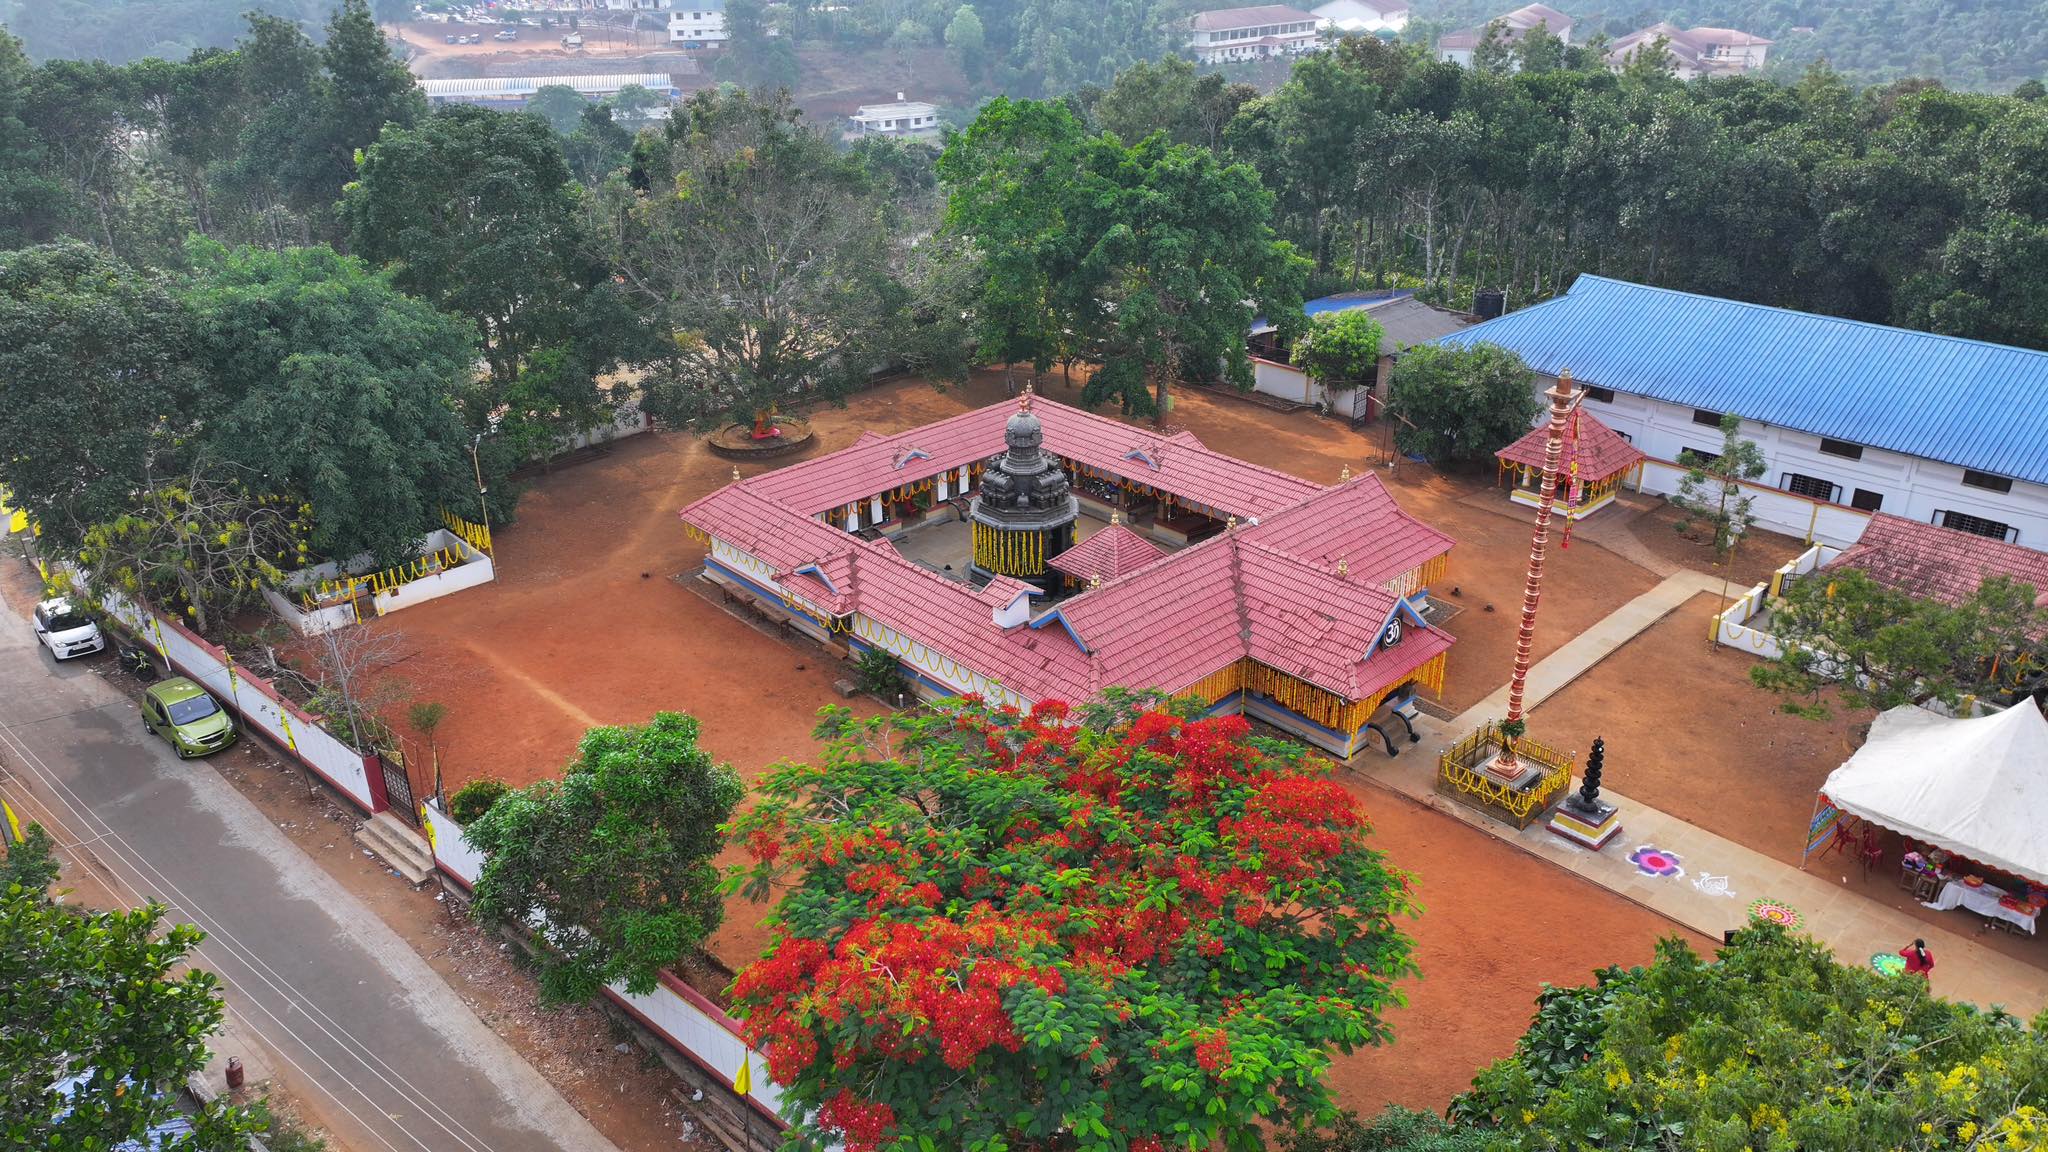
(1601, 452)
(1109, 553)
(1355, 522)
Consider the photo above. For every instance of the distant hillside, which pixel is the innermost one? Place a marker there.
(1982, 44)
(122, 30)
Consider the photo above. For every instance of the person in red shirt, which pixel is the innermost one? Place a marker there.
(1919, 961)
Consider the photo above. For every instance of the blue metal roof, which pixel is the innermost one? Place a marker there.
(1964, 402)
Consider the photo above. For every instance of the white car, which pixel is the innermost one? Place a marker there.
(65, 631)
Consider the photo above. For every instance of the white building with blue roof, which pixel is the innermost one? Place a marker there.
(1853, 418)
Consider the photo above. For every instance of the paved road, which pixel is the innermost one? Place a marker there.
(397, 1061)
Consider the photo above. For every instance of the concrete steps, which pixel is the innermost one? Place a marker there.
(398, 845)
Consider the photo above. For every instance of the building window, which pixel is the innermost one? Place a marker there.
(1867, 501)
(1710, 419)
(1693, 456)
(1977, 526)
(1842, 448)
(1986, 481)
(1811, 487)
(1603, 395)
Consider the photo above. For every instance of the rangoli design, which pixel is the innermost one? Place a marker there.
(1775, 912)
(1653, 861)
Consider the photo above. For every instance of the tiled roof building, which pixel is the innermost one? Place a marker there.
(1602, 456)
(1303, 605)
(1932, 562)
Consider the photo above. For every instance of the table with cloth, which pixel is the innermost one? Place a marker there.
(1987, 900)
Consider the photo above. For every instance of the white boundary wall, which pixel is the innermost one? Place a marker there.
(258, 705)
(474, 569)
(628, 421)
(1732, 628)
(699, 1029)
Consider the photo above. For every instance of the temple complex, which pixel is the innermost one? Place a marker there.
(1033, 551)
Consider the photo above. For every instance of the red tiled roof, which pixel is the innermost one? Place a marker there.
(1109, 553)
(1268, 590)
(1184, 467)
(1356, 522)
(1601, 452)
(1939, 563)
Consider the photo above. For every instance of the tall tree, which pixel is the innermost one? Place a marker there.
(335, 388)
(613, 861)
(476, 211)
(967, 41)
(1458, 406)
(1712, 490)
(97, 387)
(764, 250)
(996, 931)
(28, 194)
(367, 88)
(105, 1020)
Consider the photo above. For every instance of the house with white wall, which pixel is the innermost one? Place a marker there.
(1404, 321)
(901, 118)
(695, 23)
(1694, 52)
(1233, 35)
(1363, 17)
(1852, 418)
(1457, 47)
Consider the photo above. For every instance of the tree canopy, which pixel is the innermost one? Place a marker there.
(1880, 647)
(762, 254)
(1124, 928)
(611, 864)
(105, 1019)
(1151, 258)
(1770, 1045)
(1458, 406)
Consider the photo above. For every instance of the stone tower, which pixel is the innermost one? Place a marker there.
(1024, 513)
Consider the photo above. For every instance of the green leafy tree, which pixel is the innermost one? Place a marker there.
(1712, 493)
(611, 864)
(1539, 50)
(967, 41)
(1340, 350)
(28, 195)
(29, 863)
(1881, 647)
(1773, 1045)
(105, 1001)
(477, 212)
(755, 56)
(96, 385)
(998, 930)
(202, 544)
(559, 105)
(367, 88)
(334, 388)
(761, 250)
(1458, 406)
(1170, 96)
(1396, 1129)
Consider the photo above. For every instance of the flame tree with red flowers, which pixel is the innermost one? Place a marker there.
(1119, 928)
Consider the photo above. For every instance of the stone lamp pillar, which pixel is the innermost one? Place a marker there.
(1584, 818)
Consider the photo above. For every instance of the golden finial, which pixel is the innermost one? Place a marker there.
(1230, 525)
(1094, 582)
(1024, 401)
(1343, 566)
(735, 473)
(1116, 516)
(1344, 476)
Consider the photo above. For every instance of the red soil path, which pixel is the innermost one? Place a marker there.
(591, 621)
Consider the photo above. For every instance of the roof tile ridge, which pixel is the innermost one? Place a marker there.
(1244, 615)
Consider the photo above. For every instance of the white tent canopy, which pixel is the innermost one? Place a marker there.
(1977, 788)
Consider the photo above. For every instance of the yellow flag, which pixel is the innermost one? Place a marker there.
(744, 1082)
(284, 721)
(14, 826)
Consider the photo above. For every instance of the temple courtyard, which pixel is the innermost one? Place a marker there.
(598, 617)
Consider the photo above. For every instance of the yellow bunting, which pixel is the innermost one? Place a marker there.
(284, 720)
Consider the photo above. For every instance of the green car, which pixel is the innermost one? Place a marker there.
(181, 712)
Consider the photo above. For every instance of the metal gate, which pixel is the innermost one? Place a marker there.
(398, 789)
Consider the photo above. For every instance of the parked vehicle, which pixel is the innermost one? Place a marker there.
(65, 630)
(506, 34)
(187, 717)
(452, 39)
(573, 40)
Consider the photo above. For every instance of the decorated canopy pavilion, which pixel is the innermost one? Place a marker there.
(1300, 604)
(1597, 462)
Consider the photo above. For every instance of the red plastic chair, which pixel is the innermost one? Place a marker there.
(1844, 837)
(1873, 848)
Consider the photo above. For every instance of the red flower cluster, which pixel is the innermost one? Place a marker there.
(865, 1124)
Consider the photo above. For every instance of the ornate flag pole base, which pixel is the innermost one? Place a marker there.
(1591, 826)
